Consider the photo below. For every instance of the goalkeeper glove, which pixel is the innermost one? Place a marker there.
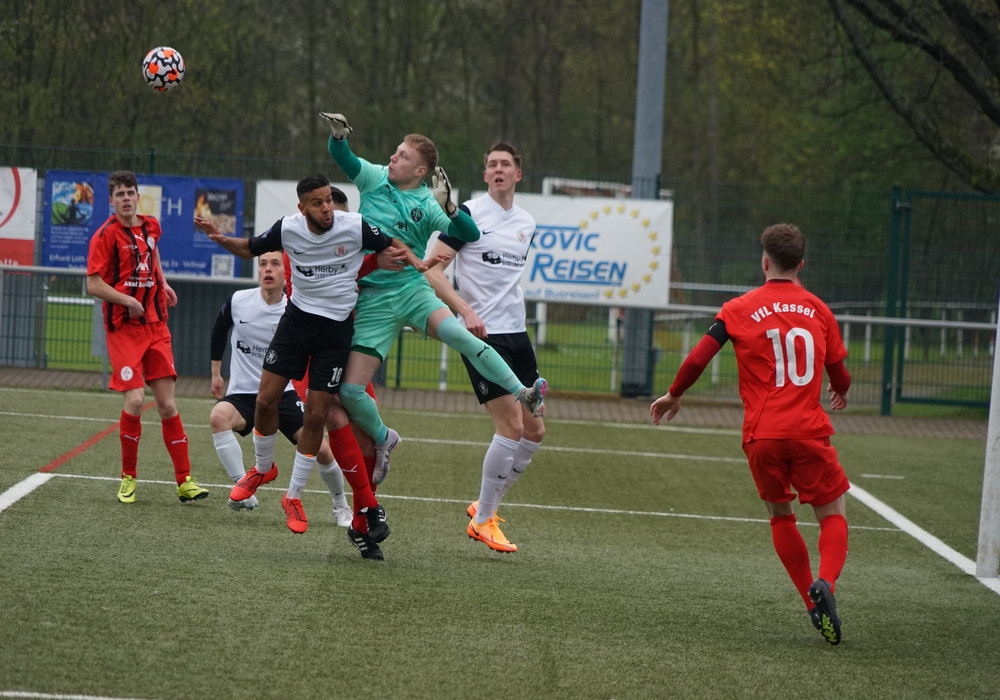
(442, 192)
(338, 124)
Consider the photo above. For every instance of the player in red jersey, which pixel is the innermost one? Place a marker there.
(784, 336)
(124, 271)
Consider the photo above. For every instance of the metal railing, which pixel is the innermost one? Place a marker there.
(47, 320)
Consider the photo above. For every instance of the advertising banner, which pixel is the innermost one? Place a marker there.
(277, 198)
(586, 250)
(595, 250)
(77, 203)
(17, 216)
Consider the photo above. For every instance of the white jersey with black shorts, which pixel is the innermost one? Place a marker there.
(249, 323)
(318, 324)
(488, 277)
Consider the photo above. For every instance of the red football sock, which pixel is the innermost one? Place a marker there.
(793, 553)
(348, 455)
(177, 445)
(832, 548)
(360, 435)
(370, 468)
(129, 432)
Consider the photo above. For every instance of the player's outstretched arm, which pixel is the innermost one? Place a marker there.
(441, 187)
(337, 144)
(339, 128)
(404, 256)
(234, 244)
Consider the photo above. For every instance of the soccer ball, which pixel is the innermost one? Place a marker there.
(163, 68)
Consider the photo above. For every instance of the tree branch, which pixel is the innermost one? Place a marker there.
(979, 177)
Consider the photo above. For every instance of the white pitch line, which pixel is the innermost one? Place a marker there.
(466, 443)
(21, 489)
(922, 536)
(51, 696)
(465, 502)
(965, 564)
(48, 415)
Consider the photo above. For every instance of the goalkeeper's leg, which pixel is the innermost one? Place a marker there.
(484, 358)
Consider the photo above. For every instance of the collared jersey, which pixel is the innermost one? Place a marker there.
(253, 322)
(412, 216)
(488, 271)
(324, 266)
(783, 336)
(125, 258)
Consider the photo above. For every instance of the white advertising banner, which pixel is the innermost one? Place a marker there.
(18, 199)
(586, 250)
(277, 198)
(595, 250)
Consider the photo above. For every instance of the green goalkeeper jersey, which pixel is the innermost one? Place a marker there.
(412, 216)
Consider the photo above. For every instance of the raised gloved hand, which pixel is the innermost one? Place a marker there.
(338, 124)
(442, 192)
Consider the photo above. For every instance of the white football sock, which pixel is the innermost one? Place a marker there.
(334, 480)
(263, 450)
(496, 466)
(230, 453)
(522, 458)
(301, 469)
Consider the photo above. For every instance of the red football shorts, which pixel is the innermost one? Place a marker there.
(809, 467)
(140, 353)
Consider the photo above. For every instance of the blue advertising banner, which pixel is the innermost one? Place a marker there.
(77, 203)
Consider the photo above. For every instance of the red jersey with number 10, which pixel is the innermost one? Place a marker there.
(125, 258)
(783, 336)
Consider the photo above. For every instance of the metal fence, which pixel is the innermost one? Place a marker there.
(47, 320)
(913, 276)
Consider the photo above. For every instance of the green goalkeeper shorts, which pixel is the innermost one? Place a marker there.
(382, 313)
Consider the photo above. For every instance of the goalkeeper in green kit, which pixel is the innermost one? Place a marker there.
(395, 198)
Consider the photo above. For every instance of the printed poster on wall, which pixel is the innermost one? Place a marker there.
(77, 204)
(17, 216)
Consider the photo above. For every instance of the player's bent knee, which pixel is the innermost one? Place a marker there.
(352, 394)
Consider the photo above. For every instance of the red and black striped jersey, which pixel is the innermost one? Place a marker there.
(125, 258)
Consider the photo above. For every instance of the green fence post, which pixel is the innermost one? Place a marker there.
(891, 284)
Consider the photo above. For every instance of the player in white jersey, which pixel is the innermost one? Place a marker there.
(326, 252)
(248, 319)
(487, 296)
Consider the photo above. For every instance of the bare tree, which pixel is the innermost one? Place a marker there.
(937, 63)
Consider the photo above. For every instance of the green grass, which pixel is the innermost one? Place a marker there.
(645, 569)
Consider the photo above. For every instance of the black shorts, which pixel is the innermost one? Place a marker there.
(516, 350)
(290, 411)
(308, 340)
